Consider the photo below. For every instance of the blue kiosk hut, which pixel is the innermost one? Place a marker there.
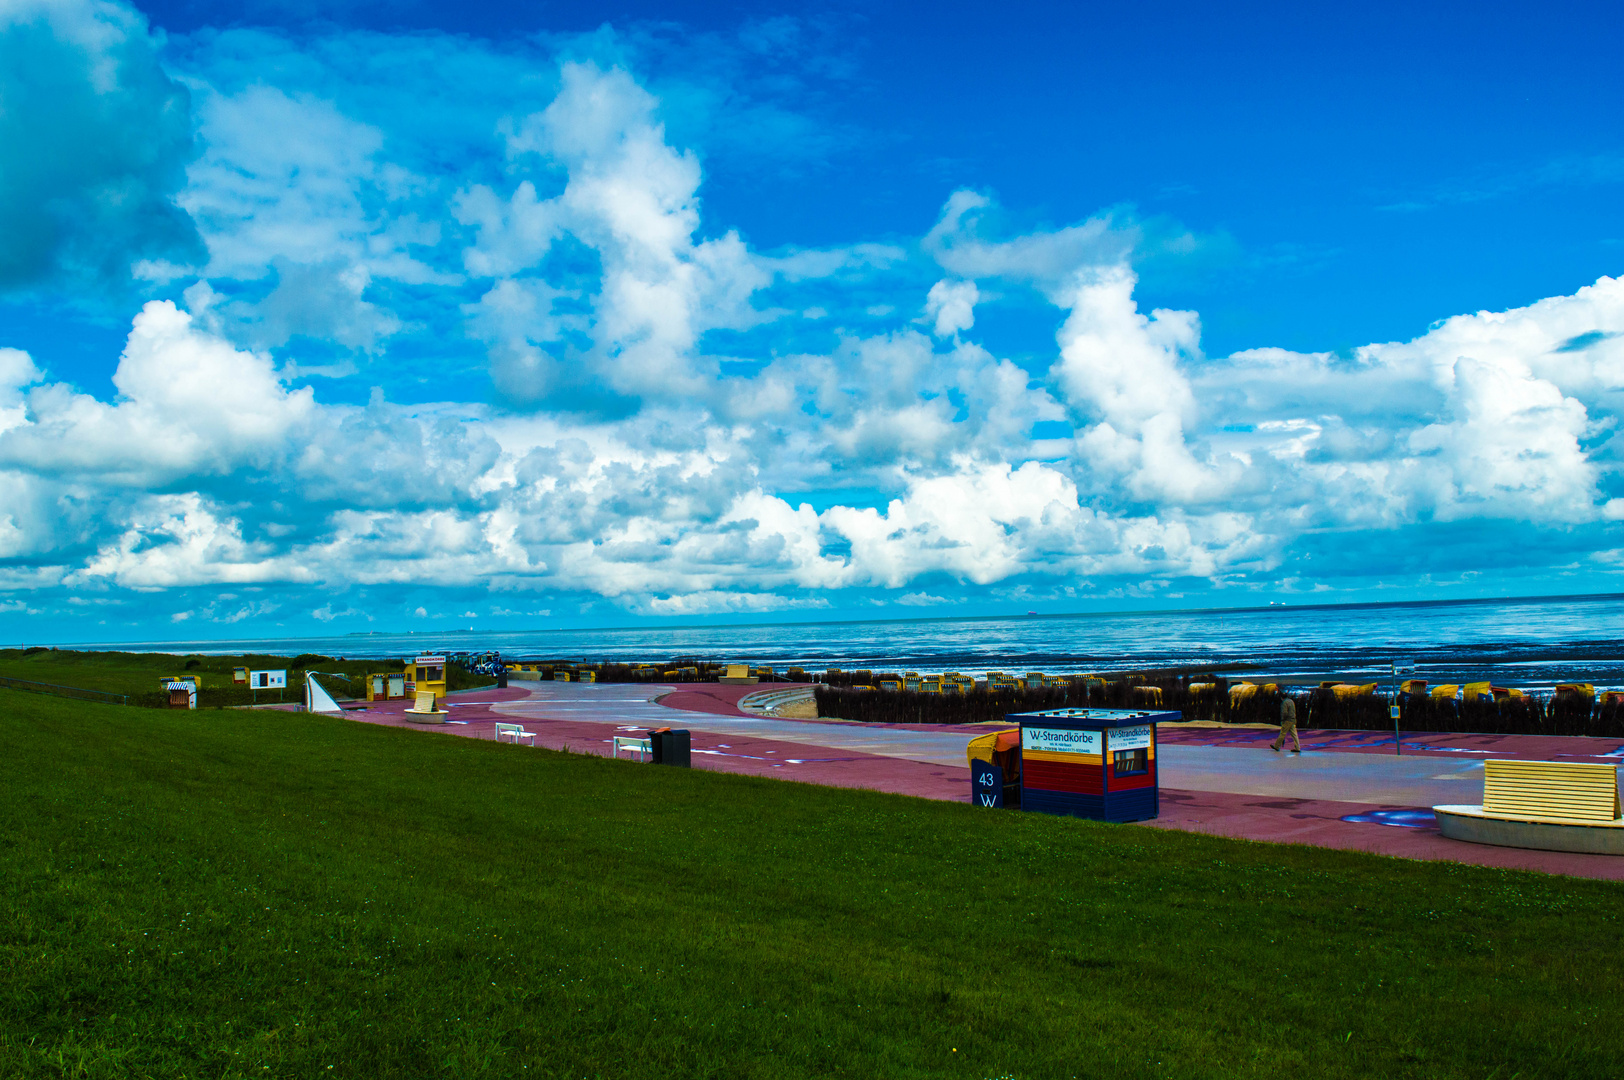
(1090, 763)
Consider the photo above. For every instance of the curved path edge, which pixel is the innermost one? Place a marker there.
(1269, 805)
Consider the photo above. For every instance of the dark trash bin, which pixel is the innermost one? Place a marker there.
(677, 748)
(501, 681)
(670, 747)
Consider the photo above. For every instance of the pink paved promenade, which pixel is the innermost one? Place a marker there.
(1429, 744)
(1319, 823)
(714, 698)
(1221, 781)
(471, 716)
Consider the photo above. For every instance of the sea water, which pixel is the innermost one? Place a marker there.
(1527, 642)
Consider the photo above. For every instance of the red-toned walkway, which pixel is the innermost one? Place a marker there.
(1321, 823)
(1219, 780)
(586, 719)
(1434, 745)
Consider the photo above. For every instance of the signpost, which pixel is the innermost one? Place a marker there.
(1392, 702)
(1061, 740)
(267, 680)
(987, 782)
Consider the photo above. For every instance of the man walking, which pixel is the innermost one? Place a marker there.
(1288, 726)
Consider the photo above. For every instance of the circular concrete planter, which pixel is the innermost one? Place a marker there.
(1471, 824)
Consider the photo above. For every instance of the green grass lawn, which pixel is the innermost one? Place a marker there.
(139, 674)
(241, 894)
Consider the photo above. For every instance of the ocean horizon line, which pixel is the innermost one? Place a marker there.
(943, 619)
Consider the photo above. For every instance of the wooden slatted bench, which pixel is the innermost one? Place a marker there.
(424, 703)
(423, 711)
(1560, 790)
(1548, 805)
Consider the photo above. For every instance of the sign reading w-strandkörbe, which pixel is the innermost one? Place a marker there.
(1130, 738)
(1061, 740)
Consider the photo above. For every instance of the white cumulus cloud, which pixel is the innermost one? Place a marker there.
(547, 373)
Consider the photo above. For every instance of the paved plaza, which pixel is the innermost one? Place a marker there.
(1216, 779)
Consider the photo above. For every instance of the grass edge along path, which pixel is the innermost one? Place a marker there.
(236, 894)
(138, 676)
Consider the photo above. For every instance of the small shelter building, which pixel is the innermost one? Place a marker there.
(1090, 763)
(426, 674)
(386, 686)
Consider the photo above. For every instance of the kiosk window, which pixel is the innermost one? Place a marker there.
(1124, 762)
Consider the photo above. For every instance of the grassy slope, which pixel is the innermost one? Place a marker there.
(208, 894)
(139, 673)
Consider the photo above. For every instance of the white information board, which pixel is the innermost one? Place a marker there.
(1130, 738)
(430, 661)
(267, 680)
(1060, 740)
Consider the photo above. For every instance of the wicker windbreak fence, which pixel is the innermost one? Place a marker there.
(682, 669)
(1224, 701)
(906, 698)
(1561, 714)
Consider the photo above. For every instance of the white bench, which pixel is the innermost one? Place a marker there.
(514, 732)
(643, 747)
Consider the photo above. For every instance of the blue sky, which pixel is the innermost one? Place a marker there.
(403, 316)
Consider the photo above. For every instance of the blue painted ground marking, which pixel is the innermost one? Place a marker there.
(1404, 819)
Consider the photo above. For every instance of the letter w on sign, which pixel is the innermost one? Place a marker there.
(987, 784)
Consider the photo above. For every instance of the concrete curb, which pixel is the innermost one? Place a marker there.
(1470, 824)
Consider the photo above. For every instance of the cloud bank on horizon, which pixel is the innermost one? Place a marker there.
(423, 326)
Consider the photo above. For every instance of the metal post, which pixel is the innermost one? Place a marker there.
(1398, 746)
